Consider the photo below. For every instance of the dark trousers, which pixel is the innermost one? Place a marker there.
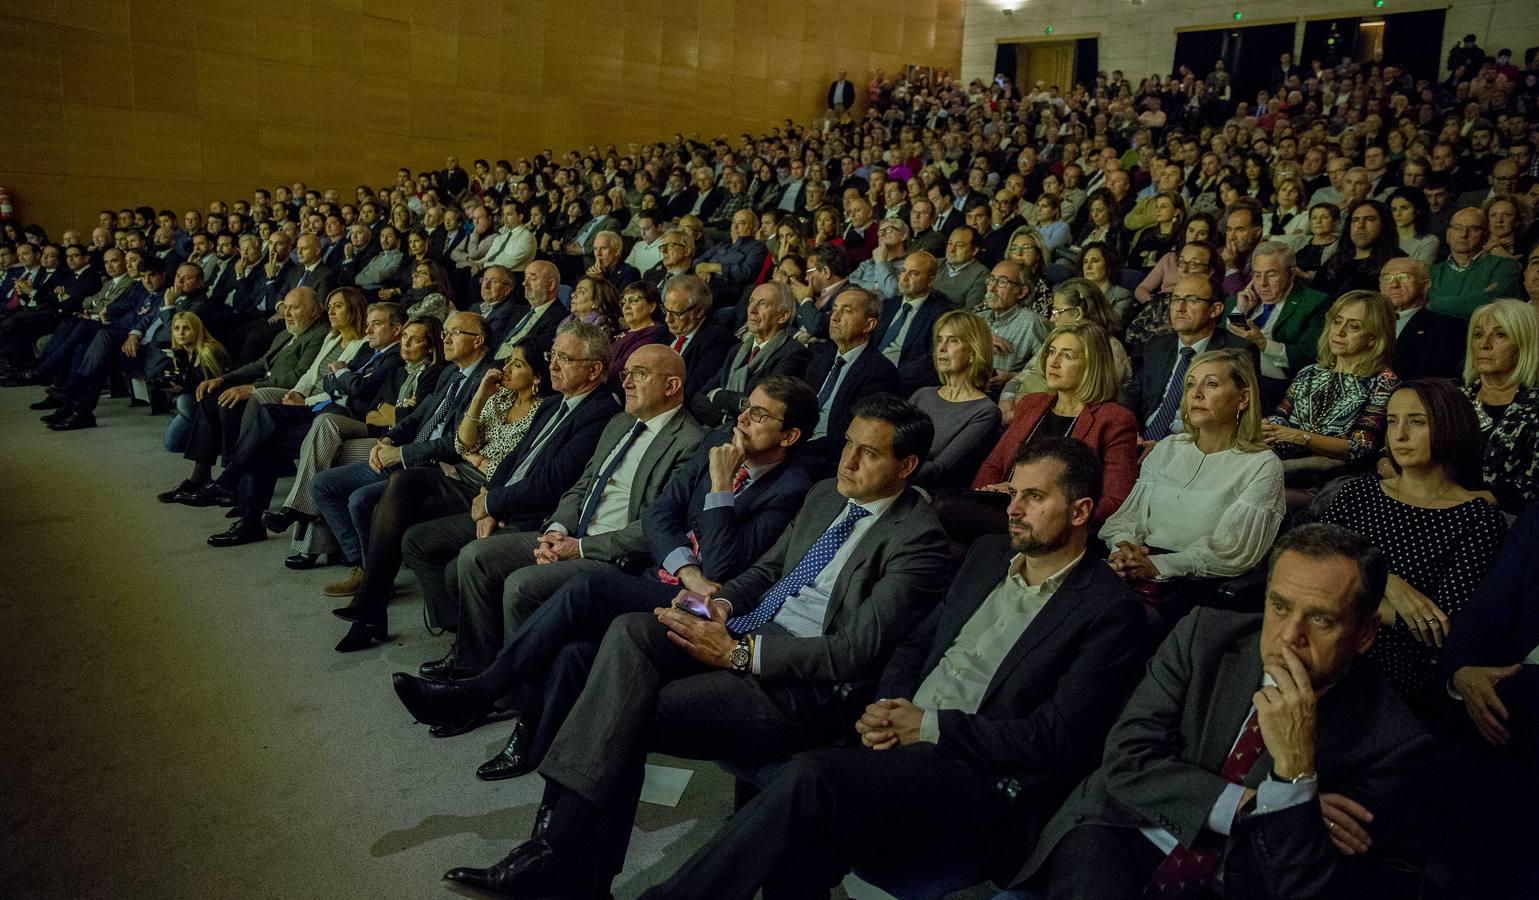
(22, 329)
(63, 351)
(827, 810)
(251, 339)
(646, 694)
(263, 452)
(215, 430)
(1098, 862)
(428, 549)
(411, 496)
(94, 356)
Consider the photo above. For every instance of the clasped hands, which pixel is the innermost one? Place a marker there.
(554, 547)
(384, 454)
(1131, 562)
(889, 723)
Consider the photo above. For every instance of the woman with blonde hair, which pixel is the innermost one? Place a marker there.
(196, 356)
(966, 420)
(1209, 499)
(1333, 413)
(1501, 377)
(1025, 247)
(1074, 300)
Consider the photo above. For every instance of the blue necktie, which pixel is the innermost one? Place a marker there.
(820, 554)
(1266, 313)
(596, 490)
(1165, 416)
(827, 391)
(430, 428)
(896, 328)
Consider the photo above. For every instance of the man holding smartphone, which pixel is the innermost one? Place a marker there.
(1283, 318)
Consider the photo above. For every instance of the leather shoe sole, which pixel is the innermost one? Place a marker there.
(302, 561)
(362, 637)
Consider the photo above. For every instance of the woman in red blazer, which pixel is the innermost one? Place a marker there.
(1078, 366)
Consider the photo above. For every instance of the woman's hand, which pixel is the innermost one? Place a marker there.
(1427, 623)
(490, 382)
(1132, 563)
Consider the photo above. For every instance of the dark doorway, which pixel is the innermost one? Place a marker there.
(1248, 52)
(1087, 60)
(1413, 40)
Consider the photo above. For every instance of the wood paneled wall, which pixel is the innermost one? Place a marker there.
(112, 103)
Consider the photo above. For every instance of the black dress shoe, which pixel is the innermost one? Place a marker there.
(76, 420)
(232, 513)
(57, 415)
(240, 533)
(211, 494)
(446, 669)
(51, 401)
(448, 704)
(512, 762)
(278, 521)
(354, 612)
(187, 487)
(302, 561)
(533, 868)
(362, 637)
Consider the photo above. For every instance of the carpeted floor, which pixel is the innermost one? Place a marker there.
(176, 724)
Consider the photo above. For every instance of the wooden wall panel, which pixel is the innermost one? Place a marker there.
(109, 103)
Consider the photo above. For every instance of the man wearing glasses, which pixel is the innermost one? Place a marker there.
(531, 325)
(703, 344)
(1016, 330)
(596, 525)
(678, 249)
(879, 274)
(1427, 344)
(767, 349)
(1471, 277)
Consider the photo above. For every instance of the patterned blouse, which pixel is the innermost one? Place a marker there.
(1511, 461)
(499, 437)
(1335, 404)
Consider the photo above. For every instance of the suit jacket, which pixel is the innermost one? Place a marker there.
(1047, 709)
(528, 502)
(730, 537)
(540, 332)
(1163, 756)
(621, 274)
(608, 223)
(223, 283)
(277, 287)
(452, 182)
(78, 286)
(916, 362)
(945, 224)
(333, 256)
(1298, 325)
(285, 360)
(1431, 345)
(841, 93)
(712, 202)
(932, 242)
(500, 319)
(704, 356)
(679, 204)
(1106, 428)
(361, 383)
(1148, 386)
(1499, 625)
(416, 449)
(870, 373)
(813, 319)
(670, 449)
(783, 355)
(891, 582)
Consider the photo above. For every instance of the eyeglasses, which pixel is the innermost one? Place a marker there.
(629, 299)
(676, 313)
(666, 245)
(455, 332)
(635, 376)
(1190, 265)
(997, 281)
(566, 360)
(756, 414)
(1190, 300)
(1394, 278)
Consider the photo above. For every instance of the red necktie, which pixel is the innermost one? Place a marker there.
(1186, 870)
(678, 344)
(753, 351)
(694, 543)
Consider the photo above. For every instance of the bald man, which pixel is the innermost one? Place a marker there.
(501, 580)
(1470, 277)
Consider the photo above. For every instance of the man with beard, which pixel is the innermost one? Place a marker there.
(990, 711)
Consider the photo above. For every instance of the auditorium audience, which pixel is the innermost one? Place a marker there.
(1427, 343)
(1074, 300)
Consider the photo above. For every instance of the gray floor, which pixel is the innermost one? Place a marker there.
(176, 724)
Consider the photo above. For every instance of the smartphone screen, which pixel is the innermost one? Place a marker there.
(1239, 320)
(695, 604)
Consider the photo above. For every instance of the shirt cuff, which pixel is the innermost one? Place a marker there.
(557, 527)
(758, 654)
(1275, 796)
(1221, 816)
(580, 554)
(929, 727)
(678, 559)
(1170, 565)
(719, 499)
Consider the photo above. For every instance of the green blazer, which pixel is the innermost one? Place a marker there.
(1299, 324)
(286, 360)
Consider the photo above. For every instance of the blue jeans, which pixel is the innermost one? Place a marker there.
(182, 408)
(345, 497)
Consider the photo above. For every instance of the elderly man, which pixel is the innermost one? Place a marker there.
(767, 349)
(533, 322)
(678, 257)
(732, 265)
(607, 264)
(223, 400)
(703, 344)
(1017, 332)
(1471, 277)
(1427, 344)
(1282, 317)
(879, 274)
(1251, 748)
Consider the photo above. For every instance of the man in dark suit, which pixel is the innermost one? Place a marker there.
(1491, 664)
(1427, 344)
(844, 371)
(704, 345)
(775, 669)
(904, 333)
(273, 438)
(608, 249)
(1233, 753)
(533, 322)
(841, 93)
(1155, 394)
(501, 580)
(768, 349)
(1015, 678)
(947, 216)
(452, 180)
(345, 496)
(311, 272)
(526, 486)
(716, 515)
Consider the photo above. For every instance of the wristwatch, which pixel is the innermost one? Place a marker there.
(741, 656)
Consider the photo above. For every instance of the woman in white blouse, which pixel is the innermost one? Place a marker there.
(347, 311)
(1209, 500)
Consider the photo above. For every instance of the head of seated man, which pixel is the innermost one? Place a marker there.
(653, 381)
(465, 339)
(301, 307)
(770, 308)
(886, 441)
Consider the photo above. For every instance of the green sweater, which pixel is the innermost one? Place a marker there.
(1457, 293)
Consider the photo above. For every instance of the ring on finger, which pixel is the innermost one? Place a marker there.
(1329, 825)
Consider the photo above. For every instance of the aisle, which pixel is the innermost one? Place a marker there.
(176, 723)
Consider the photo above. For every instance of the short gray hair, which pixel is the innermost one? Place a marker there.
(395, 313)
(609, 234)
(895, 222)
(248, 237)
(683, 237)
(785, 298)
(594, 339)
(696, 291)
(1275, 248)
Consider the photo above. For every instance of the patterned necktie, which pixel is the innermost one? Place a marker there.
(826, 392)
(738, 480)
(1165, 416)
(539, 443)
(820, 554)
(1185, 872)
(596, 490)
(434, 424)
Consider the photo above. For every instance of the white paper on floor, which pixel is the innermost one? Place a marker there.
(664, 785)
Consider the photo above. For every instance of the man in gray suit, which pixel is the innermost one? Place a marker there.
(1245, 745)
(500, 580)
(780, 665)
(767, 349)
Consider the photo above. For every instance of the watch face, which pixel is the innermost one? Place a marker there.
(739, 657)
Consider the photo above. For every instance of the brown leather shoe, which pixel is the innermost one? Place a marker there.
(348, 586)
